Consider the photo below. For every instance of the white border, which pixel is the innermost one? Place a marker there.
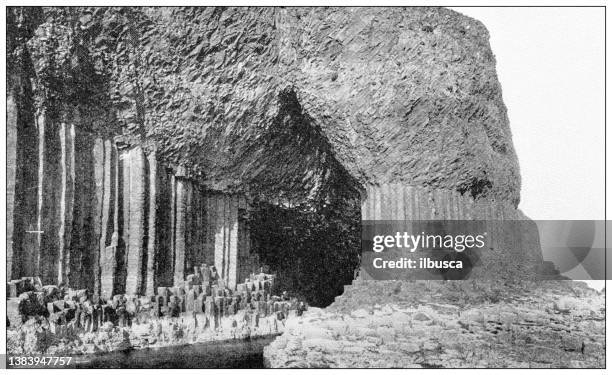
(452, 3)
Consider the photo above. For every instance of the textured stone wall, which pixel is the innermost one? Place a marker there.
(71, 216)
(226, 241)
(22, 175)
(297, 100)
(22, 144)
(173, 225)
(120, 221)
(404, 202)
(293, 103)
(514, 249)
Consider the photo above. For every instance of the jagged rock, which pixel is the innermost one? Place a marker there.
(51, 291)
(381, 83)
(384, 100)
(516, 332)
(32, 304)
(293, 105)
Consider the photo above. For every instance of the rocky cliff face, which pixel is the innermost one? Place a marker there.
(142, 114)
(293, 98)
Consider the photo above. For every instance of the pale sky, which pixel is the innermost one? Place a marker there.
(550, 62)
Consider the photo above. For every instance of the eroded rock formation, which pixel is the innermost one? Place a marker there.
(158, 128)
(429, 324)
(57, 321)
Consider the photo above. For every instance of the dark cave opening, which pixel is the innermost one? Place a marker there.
(305, 224)
(314, 251)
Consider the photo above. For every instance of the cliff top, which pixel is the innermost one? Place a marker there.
(286, 101)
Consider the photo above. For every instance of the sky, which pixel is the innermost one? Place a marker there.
(550, 62)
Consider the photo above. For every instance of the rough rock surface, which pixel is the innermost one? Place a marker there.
(291, 100)
(554, 324)
(40, 337)
(302, 106)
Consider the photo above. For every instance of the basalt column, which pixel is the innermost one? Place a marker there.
(247, 262)
(25, 239)
(180, 218)
(198, 229)
(210, 209)
(49, 191)
(109, 219)
(152, 233)
(117, 221)
(67, 134)
(226, 251)
(78, 216)
(512, 238)
(22, 170)
(137, 221)
(11, 170)
(98, 155)
(190, 229)
(220, 228)
(192, 223)
(187, 228)
(164, 227)
(232, 264)
(123, 219)
(82, 256)
(142, 208)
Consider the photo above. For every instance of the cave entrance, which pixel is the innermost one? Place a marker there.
(305, 222)
(314, 251)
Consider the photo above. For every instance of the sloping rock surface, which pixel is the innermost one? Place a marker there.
(553, 324)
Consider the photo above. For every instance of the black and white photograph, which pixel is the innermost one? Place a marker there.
(342, 186)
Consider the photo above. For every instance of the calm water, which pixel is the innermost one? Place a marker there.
(228, 354)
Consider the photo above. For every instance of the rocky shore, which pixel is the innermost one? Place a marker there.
(38, 336)
(551, 324)
(54, 320)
